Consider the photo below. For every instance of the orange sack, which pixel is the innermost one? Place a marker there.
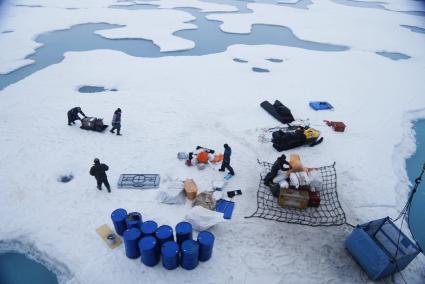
(217, 158)
(202, 157)
(295, 162)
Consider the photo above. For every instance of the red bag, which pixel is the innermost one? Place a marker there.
(313, 199)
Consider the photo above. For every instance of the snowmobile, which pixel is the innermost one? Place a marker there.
(295, 136)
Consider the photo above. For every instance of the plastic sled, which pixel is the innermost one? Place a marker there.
(139, 181)
(109, 237)
(320, 105)
(225, 207)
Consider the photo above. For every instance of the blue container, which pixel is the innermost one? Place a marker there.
(134, 220)
(183, 232)
(206, 244)
(190, 254)
(164, 234)
(148, 228)
(170, 255)
(149, 250)
(118, 218)
(131, 239)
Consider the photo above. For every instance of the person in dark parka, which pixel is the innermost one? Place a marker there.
(116, 121)
(73, 115)
(98, 170)
(279, 164)
(226, 160)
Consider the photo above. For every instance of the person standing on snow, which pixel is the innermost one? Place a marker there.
(73, 115)
(116, 121)
(98, 170)
(226, 160)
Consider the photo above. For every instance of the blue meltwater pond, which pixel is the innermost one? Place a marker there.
(17, 268)
(414, 166)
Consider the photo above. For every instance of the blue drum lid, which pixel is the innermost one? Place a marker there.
(119, 215)
(170, 249)
(183, 228)
(149, 227)
(147, 243)
(190, 247)
(164, 232)
(206, 238)
(132, 234)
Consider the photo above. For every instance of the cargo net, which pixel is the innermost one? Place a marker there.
(329, 213)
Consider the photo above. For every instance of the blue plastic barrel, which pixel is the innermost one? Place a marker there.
(134, 220)
(148, 228)
(164, 234)
(118, 218)
(170, 255)
(149, 250)
(183, 232)
(131, 239)
(206, 244)
(190, 253)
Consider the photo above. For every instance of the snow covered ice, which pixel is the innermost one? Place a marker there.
(174, 103)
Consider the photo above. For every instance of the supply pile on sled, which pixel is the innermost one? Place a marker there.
(328, 213)
(201, 157)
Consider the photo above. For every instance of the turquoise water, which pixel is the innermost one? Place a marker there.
(208, 37)
(414, 166)
(16, 268)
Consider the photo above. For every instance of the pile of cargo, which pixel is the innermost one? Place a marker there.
(298, 187)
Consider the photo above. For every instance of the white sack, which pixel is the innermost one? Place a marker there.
(203, 219)
(174, 194)
(299, 179)
(315, 180)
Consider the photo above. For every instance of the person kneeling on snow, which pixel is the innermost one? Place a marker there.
(279, 164)
(73, 115)
(98, 170)
(116, 121)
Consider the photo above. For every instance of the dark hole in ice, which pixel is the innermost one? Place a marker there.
(91, 89)
(260, 70)
(240, 60)
(275, 60)
(66, 178)
(393, 55)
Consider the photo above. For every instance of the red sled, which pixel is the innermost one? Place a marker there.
(313, 199)
(337, 126)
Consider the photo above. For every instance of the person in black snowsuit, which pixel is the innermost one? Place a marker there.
(278, 165)
(73, 115)
(98, 170)
(226, 160)
(116, 121)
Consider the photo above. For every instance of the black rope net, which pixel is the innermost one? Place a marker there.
(329, 213)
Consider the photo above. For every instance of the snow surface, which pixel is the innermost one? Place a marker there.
(173, 104)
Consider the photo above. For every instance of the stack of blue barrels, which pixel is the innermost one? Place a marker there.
(152, 243)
